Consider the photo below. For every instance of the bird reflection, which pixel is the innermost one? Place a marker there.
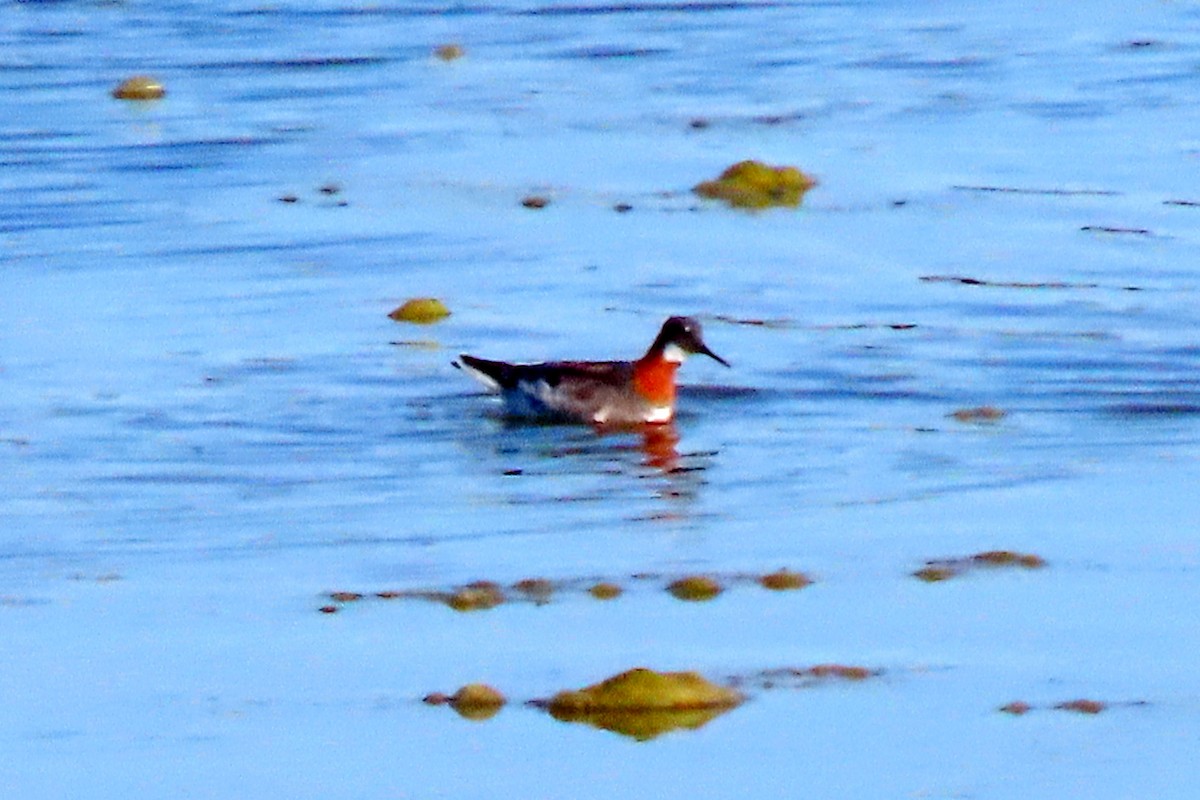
(614, 461)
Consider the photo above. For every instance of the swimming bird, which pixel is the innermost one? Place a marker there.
(597, 392)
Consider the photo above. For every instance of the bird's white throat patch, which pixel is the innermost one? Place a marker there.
(673, 352)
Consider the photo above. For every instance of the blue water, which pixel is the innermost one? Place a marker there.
(208, 422)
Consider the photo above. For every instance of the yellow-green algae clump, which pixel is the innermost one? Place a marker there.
(753, 184)
(139, 87)
(476, 701)
(643, 703)
(642, 689)
(421, 310)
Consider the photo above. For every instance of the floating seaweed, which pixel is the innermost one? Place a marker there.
(695, 588)
(755, 185)
(140, 87)
(421, 311)
(979, 414)
(643, 704)
(475, 701)
(449, 52)
(947, 568)
(783, 580)
(477, 596)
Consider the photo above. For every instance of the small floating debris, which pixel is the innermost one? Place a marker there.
(695, 588)
(535, 201)
(289, 198)
(345, 597)
(475, 701)
(329, 609)
(329, 189)
(622, 208)
(784, 580)
(477, 596)
(140, 87)
(449, 52)
(945, 569)
(756, 322)
(421, 311)
(753, 185)
(979, 414)
(1035, 190)
(1116, 229)
(1016, 708)
(968, 281)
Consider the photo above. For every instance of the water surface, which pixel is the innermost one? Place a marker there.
(208, 421)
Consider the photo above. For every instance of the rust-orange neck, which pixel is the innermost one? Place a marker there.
(654, 379)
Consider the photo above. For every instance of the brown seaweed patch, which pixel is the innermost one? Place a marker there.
(799, 677)
(605, 590)
(979, 414)
(535, 201)
(843, 671)
(946, 568)
(695, 588)
(1082, 706)
(345, 597)
(754, 185)
(935, 573)
(421, 311)
(140, 87)
(1078, 706)
(783, 580)
(539, 590)
(328, 609)
(1009, 558)
(477, 596)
